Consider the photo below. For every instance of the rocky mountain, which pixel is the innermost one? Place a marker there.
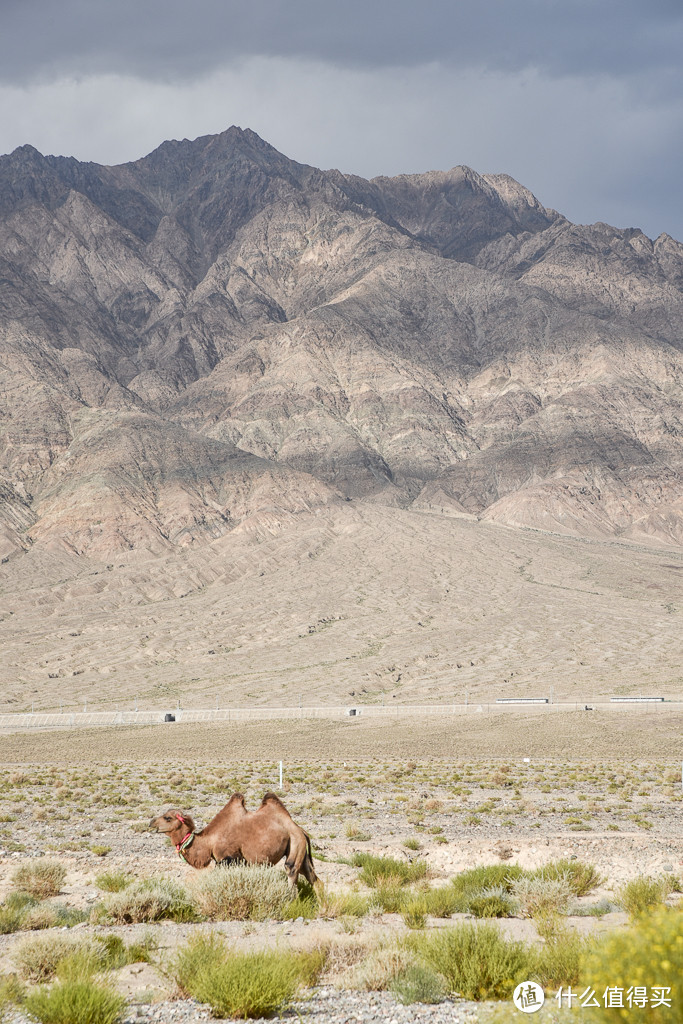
(216, 332)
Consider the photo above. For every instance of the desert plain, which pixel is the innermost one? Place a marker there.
(520, 788)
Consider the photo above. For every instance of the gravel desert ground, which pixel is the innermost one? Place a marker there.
(601, 789)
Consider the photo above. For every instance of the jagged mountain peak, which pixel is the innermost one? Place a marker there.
(302, 336)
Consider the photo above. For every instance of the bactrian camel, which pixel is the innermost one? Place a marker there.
(263, 836)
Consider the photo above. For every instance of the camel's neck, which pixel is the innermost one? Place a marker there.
(198, 853)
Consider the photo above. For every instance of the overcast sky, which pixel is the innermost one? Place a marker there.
(580, 100)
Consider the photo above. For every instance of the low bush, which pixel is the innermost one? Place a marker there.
(113, 953)
(113, 881)
(418, 984)
(485, 877)
(151, 899)
(598, 909)
(13, 911)
(442, 901)
(11, 992)
(38, 957)
(642, 894)
(414, 916)
(648, 954)
(381, 967)
(42, 916)
(390, 896)
(40, 878)
(559, 960)
(475, 960)
(537, 895)
(243, 984)
(253, 891)
(582, 878)
(376, 869)
(493, 902)
(75, 1002)
(345, 904)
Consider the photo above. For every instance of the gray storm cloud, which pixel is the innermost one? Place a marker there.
(171, 39)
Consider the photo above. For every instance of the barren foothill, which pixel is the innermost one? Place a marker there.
(362, 604)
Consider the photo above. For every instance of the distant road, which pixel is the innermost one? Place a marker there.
(90, 719)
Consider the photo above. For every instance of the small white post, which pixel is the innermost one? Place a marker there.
(280, 776)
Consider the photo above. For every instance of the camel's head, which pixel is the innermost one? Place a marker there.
(173, 823)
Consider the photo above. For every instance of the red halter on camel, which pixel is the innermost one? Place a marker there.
(186, 841)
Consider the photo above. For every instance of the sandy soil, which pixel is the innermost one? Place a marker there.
(354, 605)
(575, 735)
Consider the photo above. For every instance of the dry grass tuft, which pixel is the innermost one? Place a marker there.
(41, 878)
(254, 891)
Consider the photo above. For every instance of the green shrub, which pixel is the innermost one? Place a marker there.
(40, 878)
(99, 850)
(305, 906)
(152, 899)
(442, 901)
(493, 902)
(255, 891)
(649, 953)
(11, 992)
(13, 911)
(469, 884)
(113, 881)
(642, 894)
(559, 959)
(75, 1002)
(201, 954)
(583, 878)
(418, 984)
(475, 960)
(242, 984)
(412, 844)
(390, 896)
(400, 872)
(345, 904)
(414, 916)
(113, 953)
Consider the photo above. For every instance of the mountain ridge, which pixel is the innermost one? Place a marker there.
(335, 338)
